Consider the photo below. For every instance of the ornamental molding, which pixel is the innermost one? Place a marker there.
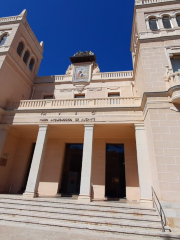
(175, 109)
(69, 71)
(80, 88)
(83, 54)
(96, 68)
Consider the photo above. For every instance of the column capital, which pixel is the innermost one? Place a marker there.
(43, 125)
(89, 125)
(139, 126)
(4, 127)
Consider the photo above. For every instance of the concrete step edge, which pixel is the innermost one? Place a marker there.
(74, 202)
(88, 221)
(87, 208)
(123, 216)
(97, 228)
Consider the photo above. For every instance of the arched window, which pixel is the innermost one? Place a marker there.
(31, 64)
(153, 24)
(3, 39)
(178, 20)
(166, 22)
(26, 56)
(20, 48)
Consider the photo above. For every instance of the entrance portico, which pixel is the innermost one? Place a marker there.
(47, 167)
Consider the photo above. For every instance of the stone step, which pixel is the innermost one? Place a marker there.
(110, 209)
(75, 212)
(115, 204)
(95, 227)
(85, 219)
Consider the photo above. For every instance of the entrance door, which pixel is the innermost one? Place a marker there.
(115, 171)
(72, 170)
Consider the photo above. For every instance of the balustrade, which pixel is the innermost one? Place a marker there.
(140, 2)
(172, 78)
(75, 103)
(96, 76)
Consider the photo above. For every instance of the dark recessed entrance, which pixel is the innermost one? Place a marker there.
(72, 170)
(115, 171)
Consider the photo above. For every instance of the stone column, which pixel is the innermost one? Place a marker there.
(3, 134)
(147, 24)
(34, 174)
(85, 187)
(143, 163)
(174, 22)
(160, 23)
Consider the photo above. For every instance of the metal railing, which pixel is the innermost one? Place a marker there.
(157, 205)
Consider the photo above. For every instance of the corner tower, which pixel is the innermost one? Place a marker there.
(155, 48)
(155, 44)
(20, 58)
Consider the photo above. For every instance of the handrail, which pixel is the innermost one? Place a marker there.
(159, 209)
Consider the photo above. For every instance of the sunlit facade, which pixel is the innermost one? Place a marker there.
(94, 135)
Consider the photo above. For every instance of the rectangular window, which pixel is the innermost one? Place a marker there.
(111, 95)
(48, 97)
(166, 22)
(153, 24)
(175, 61)
(79, 96)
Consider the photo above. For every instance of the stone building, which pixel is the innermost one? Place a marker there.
(89, 134)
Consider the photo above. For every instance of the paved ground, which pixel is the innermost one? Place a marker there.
(16, 231)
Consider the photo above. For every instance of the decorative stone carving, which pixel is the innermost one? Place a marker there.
(96, 68)
(80, 88)
(176, 109)
(83, 54)
(69, 70)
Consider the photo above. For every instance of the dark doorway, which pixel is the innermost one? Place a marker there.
(115, 171)
(72, 170)
(28, 167)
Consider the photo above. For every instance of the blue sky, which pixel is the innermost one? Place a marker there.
(67, 26)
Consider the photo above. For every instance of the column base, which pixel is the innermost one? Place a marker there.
(84, 199)
(147, 202)
(30, 195)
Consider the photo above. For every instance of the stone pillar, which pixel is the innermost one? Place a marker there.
(147, 24)
(85, 187)
(34, 174)
(3, 134)
(143, 164)
(174, 22)
(160, 23)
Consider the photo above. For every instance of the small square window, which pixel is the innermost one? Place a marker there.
(111, 95)
(48, 97)
(79, 96)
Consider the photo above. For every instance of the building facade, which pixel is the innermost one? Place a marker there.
(91, 134)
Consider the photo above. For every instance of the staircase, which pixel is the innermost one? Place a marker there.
(106, 217)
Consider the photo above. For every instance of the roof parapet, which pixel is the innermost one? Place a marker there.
(145, 2)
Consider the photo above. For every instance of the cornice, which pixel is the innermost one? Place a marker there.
(149, 3)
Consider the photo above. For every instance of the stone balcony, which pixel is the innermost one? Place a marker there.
(172, 80)
(140, 2)
(127, 75)
(91, 103)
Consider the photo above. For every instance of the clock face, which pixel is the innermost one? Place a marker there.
(81, 74)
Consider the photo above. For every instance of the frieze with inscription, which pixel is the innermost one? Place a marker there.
(68, 120)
